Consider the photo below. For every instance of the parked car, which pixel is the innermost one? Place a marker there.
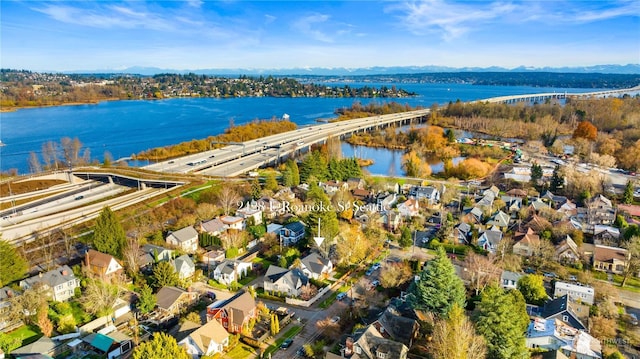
(573, 278)
(633, 319)
(301, 352)
(341, 296)
(529, 270)
(375, 283)
(286, 343)
(335, 319)
(368, 272)
(550, 275)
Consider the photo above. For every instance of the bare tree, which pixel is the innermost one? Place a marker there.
(206, 211)
(99, 296)
(228, 198)
(70, 149)
(480, 271)
(50, 154)
(395, 274)
(131, 255)
(34, 163)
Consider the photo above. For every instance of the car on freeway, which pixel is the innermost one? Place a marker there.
(79, 198)
(286, 343)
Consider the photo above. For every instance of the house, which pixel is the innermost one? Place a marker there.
(462, 232)
(274, 228)
(361, 195)
(475, 215)
(577, 293)
(609, 259)
(489, 240)
(386, 200)
(44, 346)
(235, 314)
(368, 343)
(567, 251)
(392, 325)
(331, 187)
(152, 253)
(355, 183)
(500, 220)
(569, 312)
(234, 222)
(600, 211)
(172, 300)
(409, 208)
(527, 243)
(492, 191)
(516, 192)
(391, 220)
(230, 271)
(538, 204)
(568, 209)
(114, 344)
(553, 335)
(605, 234)
(59, 284)
(214, 227)
(281, 280)
(200, 340)
(291, 233)
(185, 239)
(184, 266)
(427, 193)
(555, 200)
(103, 265)
(250, 214)
(536, 223)
(509, 280)
(316, 267)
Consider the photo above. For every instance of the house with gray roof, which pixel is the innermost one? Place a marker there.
(185, 238)
(567, 311)
(59, 284)
(509, 280)
(286, 281)
(214, 227)
(369, 343)
(500, 220)
(462, 232)
(567, 251)
(230, 271)
(427, 193)
(316, 267)
(390, 324)
(172, 300)
(184, 266)
(151, 253)
(291, 233)
(490, 239)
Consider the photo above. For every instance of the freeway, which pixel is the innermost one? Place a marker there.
(236, 159)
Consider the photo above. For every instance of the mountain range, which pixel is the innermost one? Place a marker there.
(394, 70)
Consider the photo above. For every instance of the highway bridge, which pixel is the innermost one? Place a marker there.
(542, 97)
(237, 159)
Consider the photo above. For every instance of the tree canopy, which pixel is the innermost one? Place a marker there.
(323, 211)
(13, 266)
(502, 320)
(164, 275)
(455, 338)
(108, 234)
(439, 288)
(532, 288)
(162, 346)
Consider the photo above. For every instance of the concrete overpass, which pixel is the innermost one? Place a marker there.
(542, 97)
(236, 159)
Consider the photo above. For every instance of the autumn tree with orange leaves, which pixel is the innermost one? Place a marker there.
(586, 130)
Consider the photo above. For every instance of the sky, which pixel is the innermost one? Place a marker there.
(193, 35)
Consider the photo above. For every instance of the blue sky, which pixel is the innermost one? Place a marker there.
(92, 35)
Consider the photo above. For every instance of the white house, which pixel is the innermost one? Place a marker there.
(287, 281)
(229, 271)
(509, 280)
(316, 267)
(489, 240)
(184, 266)
(577, 293)
(185, 238)
(250, 212)
(409, 208)
(59, 283)
(234, 222)
(207, 339)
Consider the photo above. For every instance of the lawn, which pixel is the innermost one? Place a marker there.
(248, 278)
(27, 333)
(241, 351)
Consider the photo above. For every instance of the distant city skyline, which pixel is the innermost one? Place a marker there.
(106, 35)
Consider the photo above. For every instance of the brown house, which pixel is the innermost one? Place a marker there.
(609, 259)
(105, 266)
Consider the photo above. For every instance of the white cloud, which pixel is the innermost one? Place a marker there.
(309, 25)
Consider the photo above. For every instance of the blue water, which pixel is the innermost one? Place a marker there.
(127, 127)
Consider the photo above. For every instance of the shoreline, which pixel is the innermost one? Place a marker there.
(97, 102)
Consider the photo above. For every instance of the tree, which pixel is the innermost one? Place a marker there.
(394, 275)
(532, 288)
(480, 271)
(165, 275)
(438, 287)
(270, 182)
(557, 181)
(602, 328)
(146, 299)
(406, 240)
(34, 163)
(586, 130)
(627, 197)
(536, 174)
(99, 297)
(455, 338)
(44, 323)
(292, 166)
(633, 258)
(502, 319)
(256, 190)
(108, 234)
(162, 346)
(13, 266)
(414, 166)
(194, 317)
(228, 198)
(352, 245)
(9, 343)
(322, 211)
(275, 324)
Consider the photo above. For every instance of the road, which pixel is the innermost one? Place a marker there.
(236, 159)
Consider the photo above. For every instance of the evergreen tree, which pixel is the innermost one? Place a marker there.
(164, 275)
(536, 174)
(557, 182)
(502, 320)
(315, 164)
(270, 182)
(13, 266)
(292, 166)
(162, 346)
(532, 288)
(439, 288)
(406, 240)
(627, 197)
(323, 211)
(256, 190)
(451, 136)
(146, 300)
(108, 234)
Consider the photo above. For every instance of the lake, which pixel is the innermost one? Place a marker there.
(127, 127)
